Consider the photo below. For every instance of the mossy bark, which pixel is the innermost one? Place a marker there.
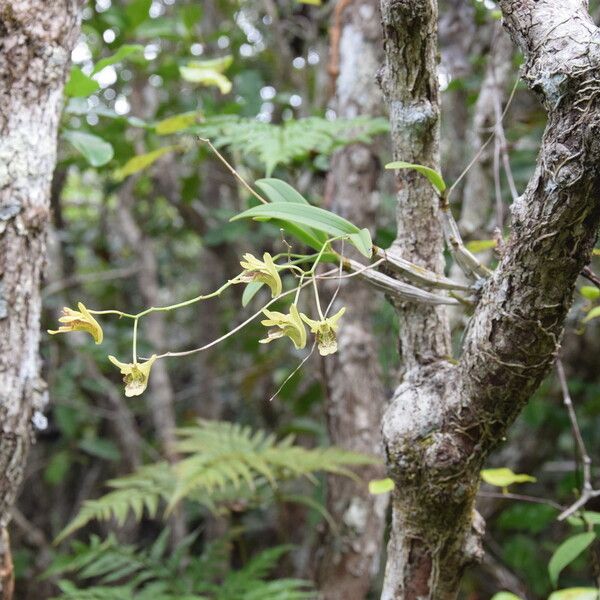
(36, 39)
(445, 418)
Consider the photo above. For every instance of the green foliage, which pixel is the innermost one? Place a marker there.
(290, 142)
(567, 552)
(503, 477)
(95, 150)
(155, 573)
(301, 215)
(220, 462)
(436, 180)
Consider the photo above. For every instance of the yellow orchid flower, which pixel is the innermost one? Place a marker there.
(135, 374)
(79, 320)
(325, 332)
(289, 325)
(263, 270)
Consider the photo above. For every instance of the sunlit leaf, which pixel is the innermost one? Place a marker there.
(476, 246)
(311, 216)
(434, 177)
(588, 517)
(575, 594)
(280, 191)
(209, 73)
(95, 150)
(591, 292)
(140, 162)
(567, 552)
(381, 486)
(177, 122)
(80, 84)
(503, 477)
(593, 314)
(505, 596)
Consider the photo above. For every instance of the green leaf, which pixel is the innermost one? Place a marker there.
(593, 314)
(94, 149)
(123, 52)
(58, 467)
(505, 596)
(590, 292)
(138, 11)
(434, 177)
(476, 246)
(567, 552)
(585, 518)
(380, 486)
(575, 594)
(80, 84)
(140, 162)
(363, 242)
(100, 448)
(279, 191)
(504, 477)
(209, 73)
(250, 291)
(308, 215)
(177, 122)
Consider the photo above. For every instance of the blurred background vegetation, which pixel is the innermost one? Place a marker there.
(161, 234)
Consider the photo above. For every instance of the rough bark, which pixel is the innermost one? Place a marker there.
(350, 559)
(36, 39)
(445, 418)
(409, 80)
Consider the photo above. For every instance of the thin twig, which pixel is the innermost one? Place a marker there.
(232, 170)
(522, 497)
(587, 491)
(590, 276)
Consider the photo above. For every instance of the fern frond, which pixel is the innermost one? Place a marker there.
(219, 455)
(291, 141)
(143, 490)
(222, 463)
(124, 572)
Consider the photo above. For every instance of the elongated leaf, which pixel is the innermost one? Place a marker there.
(593, 314)
(591, 292)
(434, 177)
(123, 52)
(208, 72)
(476, 246)
(177, 122)
(311, 216)
(140, 162)
(95, 150)
(505, 596)
(250, 291)
(587, 517)
(504, 477)
(578, 593)
(567, 552)
(80, 84)
(381, 486)
(363, 242)
(306, 235)
(279, 191)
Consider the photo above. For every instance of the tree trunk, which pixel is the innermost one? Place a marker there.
(446, 417)
(36, 39)
(355, 392)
